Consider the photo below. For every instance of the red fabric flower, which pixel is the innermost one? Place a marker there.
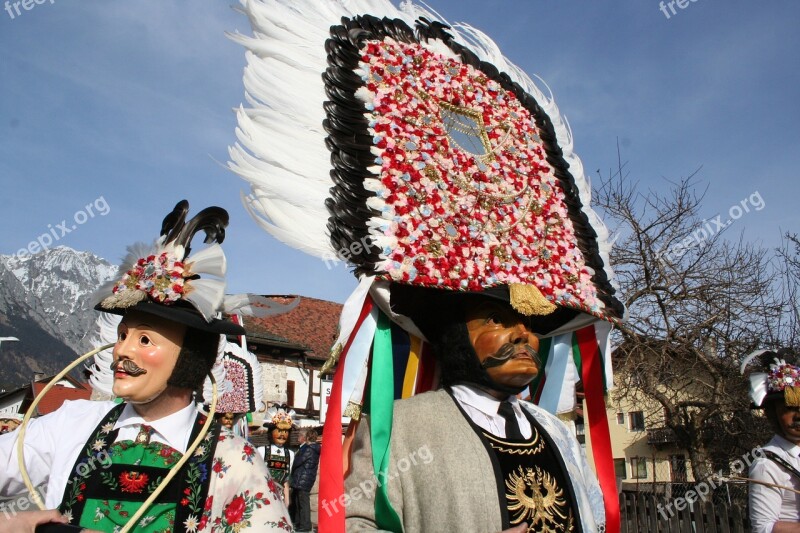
(235, 510)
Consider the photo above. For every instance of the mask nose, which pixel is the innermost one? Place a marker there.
(122, 349)
(522, 335)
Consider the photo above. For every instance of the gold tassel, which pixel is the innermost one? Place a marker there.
(353, 410)
(792, 396)
(331, 361)
(528, 300)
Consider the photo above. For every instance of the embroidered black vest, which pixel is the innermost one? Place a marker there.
(278, 464)
(95, 477)
(531, 480)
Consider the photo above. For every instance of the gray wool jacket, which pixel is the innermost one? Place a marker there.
(440, 477)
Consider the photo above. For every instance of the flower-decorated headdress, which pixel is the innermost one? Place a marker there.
(417, 153)
(781, 382)
(280, 416)
(165, 281)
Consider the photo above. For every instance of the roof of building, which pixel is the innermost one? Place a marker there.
(56, 396)
(311, 326)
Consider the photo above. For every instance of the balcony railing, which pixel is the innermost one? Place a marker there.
(661, 436)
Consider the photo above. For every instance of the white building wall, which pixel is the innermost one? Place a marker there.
(275, 379)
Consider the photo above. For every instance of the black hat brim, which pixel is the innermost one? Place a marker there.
(182, 314)
(429, 307)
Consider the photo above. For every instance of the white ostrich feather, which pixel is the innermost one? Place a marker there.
(281, 148)
(101, 378)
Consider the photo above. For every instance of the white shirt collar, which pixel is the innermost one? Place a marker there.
(174, 429)
(787, 446)
(482, 400)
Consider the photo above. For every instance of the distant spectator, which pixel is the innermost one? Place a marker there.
(304, 473)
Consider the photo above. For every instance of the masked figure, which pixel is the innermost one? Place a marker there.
(100, 461)
(776, 472)
(277, 455)
(446, 178)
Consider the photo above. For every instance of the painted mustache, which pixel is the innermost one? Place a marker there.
(128, 366)
(506, 352)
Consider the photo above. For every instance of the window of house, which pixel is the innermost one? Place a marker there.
(290, 392)
(677, 467)
(636, 421)
(621, 419)
(638, 467)
(619, 468)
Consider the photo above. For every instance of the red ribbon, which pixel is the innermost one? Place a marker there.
(592, 375)
(426, 375)
(331, 462)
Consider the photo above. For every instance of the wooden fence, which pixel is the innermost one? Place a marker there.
(641, 513)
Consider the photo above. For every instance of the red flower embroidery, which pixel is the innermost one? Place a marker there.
(235, 510)
(187, 491)
(209, 503)
(79, 497)
(133, 481)
(184, 502)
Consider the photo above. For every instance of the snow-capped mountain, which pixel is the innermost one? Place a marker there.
(57, 285)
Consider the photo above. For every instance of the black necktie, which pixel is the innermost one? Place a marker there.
(512, 426)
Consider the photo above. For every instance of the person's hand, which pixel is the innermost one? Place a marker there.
(522, 528)
(26, 522)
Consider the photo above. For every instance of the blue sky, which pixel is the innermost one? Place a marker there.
(132, 102)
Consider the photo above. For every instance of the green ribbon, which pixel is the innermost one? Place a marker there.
(381, 409)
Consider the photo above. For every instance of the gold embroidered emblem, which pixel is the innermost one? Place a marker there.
(533, 447)
(535, 497)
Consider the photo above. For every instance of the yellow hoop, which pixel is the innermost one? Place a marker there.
(37, 499)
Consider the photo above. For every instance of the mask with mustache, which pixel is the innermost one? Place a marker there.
(128, 366)
(506, 352)
(459, 362)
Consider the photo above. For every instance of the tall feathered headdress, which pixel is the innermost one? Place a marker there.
(416, 152)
